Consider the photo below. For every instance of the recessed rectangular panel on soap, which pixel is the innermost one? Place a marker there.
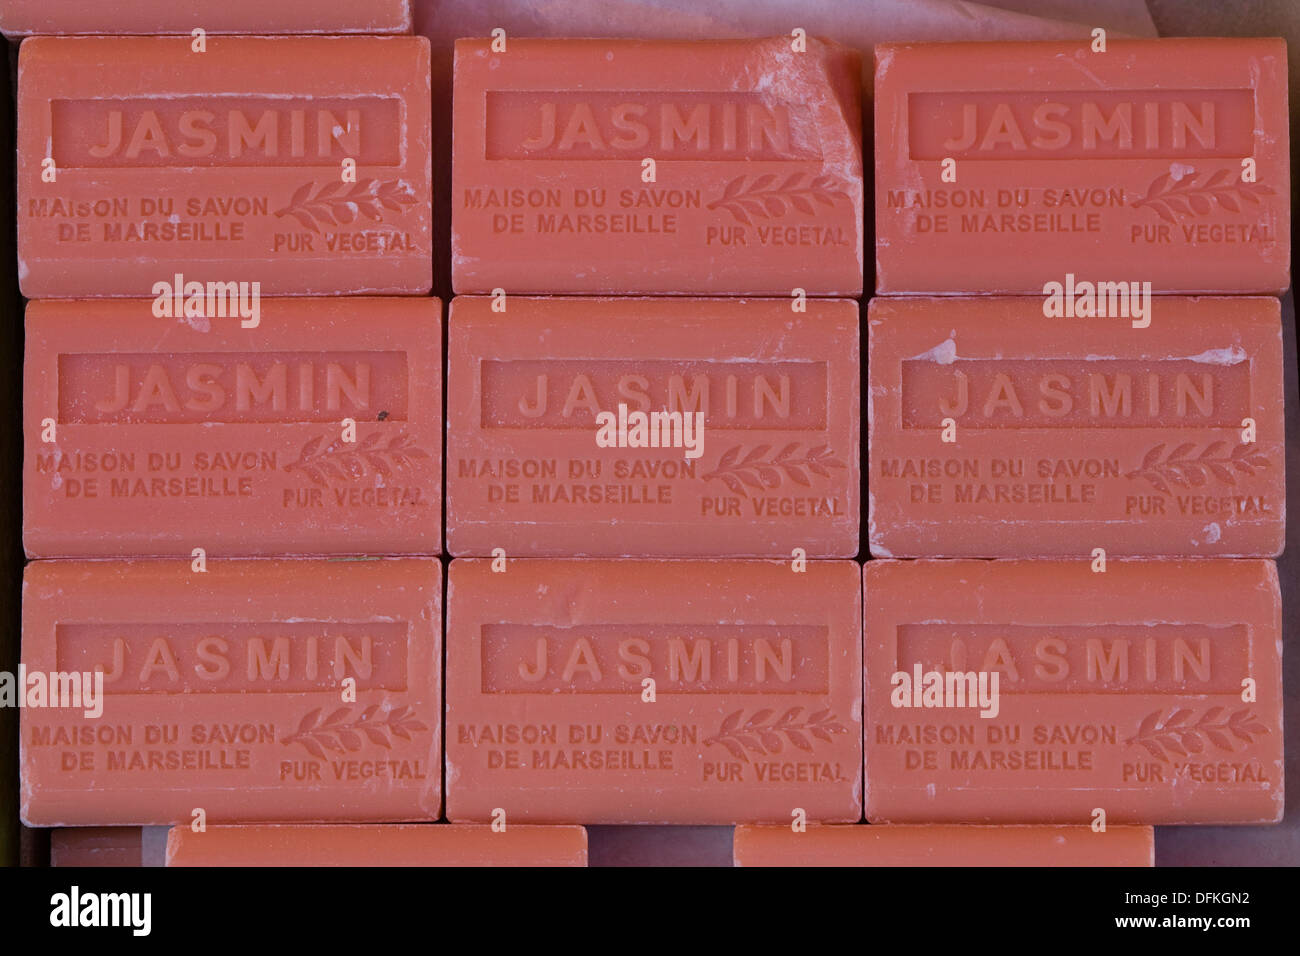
(1004, 166)
(1070, 434)
(766, 458)
(682, 692)
(1017, 692)
(300, 163)
(257, 691)
(657, 166)
(316, 432)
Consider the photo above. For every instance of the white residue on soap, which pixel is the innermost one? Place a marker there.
(945, 353)
(1229, 356)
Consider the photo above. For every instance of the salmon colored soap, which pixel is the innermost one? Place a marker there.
(682, 692)
(316, 432)
(653, 427)
(941, 845)
(258, 691)
(380, 845)
(24, 17)
(1004, 166)
(96, 846)
(657, 166)
(301, 164)
(994, 431)
(1045, 691)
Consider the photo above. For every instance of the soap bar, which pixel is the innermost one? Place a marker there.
(682, 692)
(1044, 692)
(256, 691)
(386, 845)
(1004, 166)
(752, 411)
(153, 436)
(96, 846)
(942, 845)
(661, 166)
(226, 167)
(1070, 434)
(25, 17)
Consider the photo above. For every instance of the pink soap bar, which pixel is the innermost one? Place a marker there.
(228, 166)
(152, 17)
(171, 434)
(769, 464)
(754, 669)
(1044, 691)
(96, 846)
(383, 845)
(1069, 434)
(256, 691)
(941, 845)
(1001, 167)
(756, 185)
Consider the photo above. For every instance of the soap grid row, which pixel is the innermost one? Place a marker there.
(638, 692)
(654, 427)
(607, 166)
(396, 844)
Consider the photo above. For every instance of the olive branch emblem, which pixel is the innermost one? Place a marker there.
(762, 735)
(765, 198)
(759, 470)
(1171, 198)
(1179, 734)
(336, 203)
(1181, 467)
(336, 732)
(351, 461)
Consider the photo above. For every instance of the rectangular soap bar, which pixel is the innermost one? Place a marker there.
(1075, 433)
(384, 845)
(942, 845)
(754, 669)
(226, 166)
(225, 690)
(1127, 165)
(96, 846)
(755, 185)
(171, 434)
(25, 17)
(769, 462)
(1152, 691)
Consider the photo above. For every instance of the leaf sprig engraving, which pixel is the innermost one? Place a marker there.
(1180, 735)
(317, 733)
(350, 461)
(1181, 467)
(1172, 198)
(762, 735)
(337, 203)
(769, 197)
(759, 470)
